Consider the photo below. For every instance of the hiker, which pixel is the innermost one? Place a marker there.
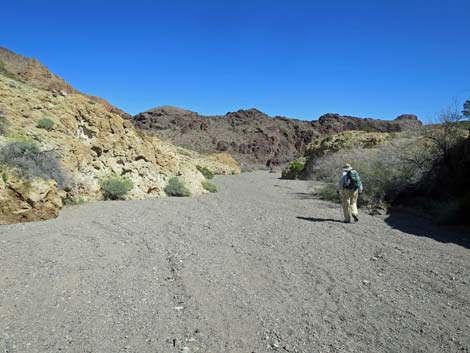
(349, 187)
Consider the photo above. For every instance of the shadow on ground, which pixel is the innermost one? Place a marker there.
(422, 227)
(313, 219)
(304, 196)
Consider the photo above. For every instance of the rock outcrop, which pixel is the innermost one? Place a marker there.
(33, 73)
(29, 200)
(253, 138)
(92, 143)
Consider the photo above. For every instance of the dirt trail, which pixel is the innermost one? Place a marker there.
(258, 267)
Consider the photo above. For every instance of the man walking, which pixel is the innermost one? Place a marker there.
(349, 186)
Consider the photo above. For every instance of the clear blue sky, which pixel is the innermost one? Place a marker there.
(300, 59)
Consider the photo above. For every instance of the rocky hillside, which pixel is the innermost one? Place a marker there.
(41, 165)
(252, 137)
(33, 73)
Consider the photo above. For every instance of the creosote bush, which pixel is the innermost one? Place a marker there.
(115, 187)
(46, 124)
(211, 187)
(176, 187)
(205, 171)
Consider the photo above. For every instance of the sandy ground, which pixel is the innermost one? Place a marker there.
(258, 267)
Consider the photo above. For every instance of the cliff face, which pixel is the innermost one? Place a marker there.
(87, 142)
(252, 137)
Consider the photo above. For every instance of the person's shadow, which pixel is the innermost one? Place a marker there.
(313, 219)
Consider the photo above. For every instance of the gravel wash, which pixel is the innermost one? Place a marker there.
(261, 266)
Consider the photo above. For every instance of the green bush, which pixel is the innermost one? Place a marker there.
(296, 167)
(75, 200)
(176, 187)
(46, 124)
(211, 187)
(115, 187)
(206, 172)
(20, 137)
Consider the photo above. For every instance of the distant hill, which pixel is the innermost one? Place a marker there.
(252, 137)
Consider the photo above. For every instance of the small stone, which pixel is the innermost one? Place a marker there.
(375, 258)
(185, 350)
(365, 282)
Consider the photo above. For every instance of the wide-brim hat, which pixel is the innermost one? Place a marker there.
(347, 167)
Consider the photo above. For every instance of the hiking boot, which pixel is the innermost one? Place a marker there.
(356, 218)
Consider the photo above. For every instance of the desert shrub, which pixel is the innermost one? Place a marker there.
(385, 172)
(29, 161)
(328, 193)
(176, 187)
(75, 200)
(115, 187)
(46, 124)
(205, 171)
(91, 102)
(211, 187)
(293, 170)
(20, 137)
(296, 167)
(4, 172)
(3, 123)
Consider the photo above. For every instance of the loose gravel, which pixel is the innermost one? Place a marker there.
(260, 266)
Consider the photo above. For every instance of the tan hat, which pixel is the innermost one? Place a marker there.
(347, 167)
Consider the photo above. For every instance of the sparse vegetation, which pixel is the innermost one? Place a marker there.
(3, 123)
(115, 187)
(211, 187)
(46, 124)
(4, 171)
(385, 171)
(294, 170)
(426, 170)
(29, 161)
(296, 167)
(176, 187)
(91, 102)
(328, 192)
(75, 200)
(205, 171)
(20, 137)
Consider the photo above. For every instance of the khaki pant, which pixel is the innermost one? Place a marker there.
(349, 203)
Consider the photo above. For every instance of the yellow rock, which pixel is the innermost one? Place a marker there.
(93, 144)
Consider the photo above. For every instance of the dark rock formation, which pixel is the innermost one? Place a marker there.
(253, 138)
